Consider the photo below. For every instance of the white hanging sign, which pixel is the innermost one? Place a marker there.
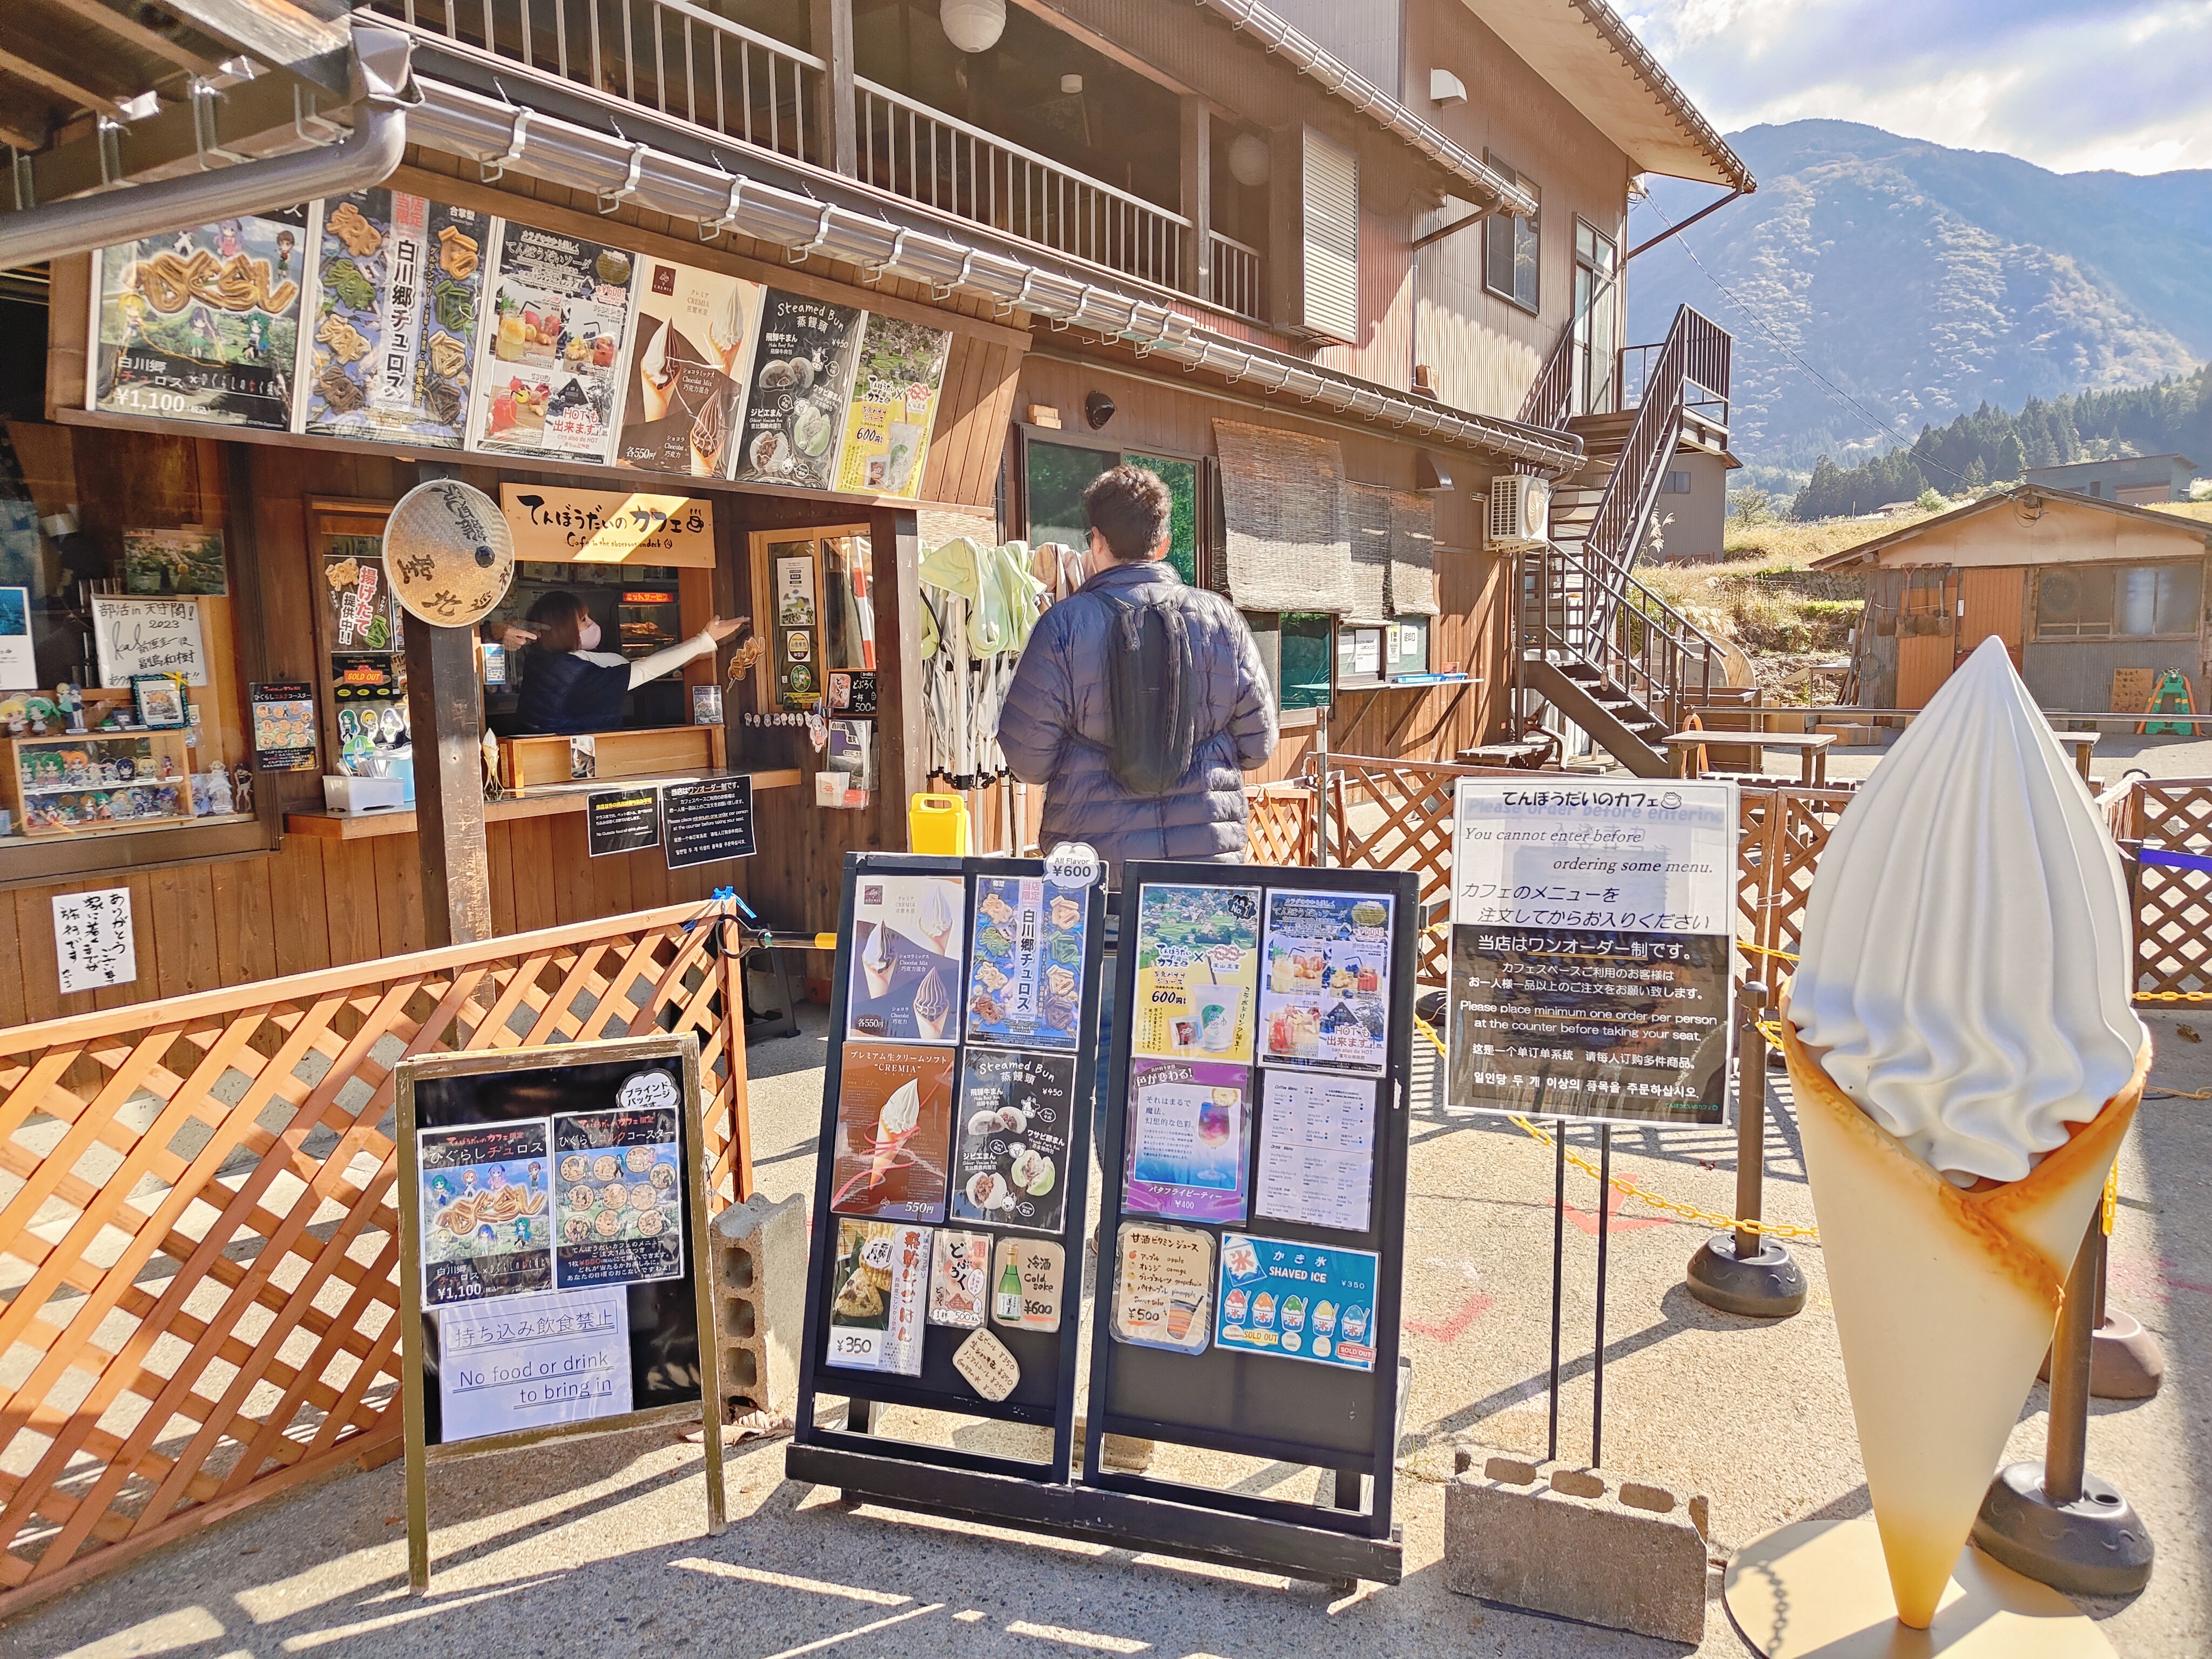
(93, 940)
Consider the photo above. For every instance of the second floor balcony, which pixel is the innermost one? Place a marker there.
(1041, 137)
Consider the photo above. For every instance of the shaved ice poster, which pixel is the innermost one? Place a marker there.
(894, 1132)
(909, 936)
(1311, 1301)
(1016, 1113)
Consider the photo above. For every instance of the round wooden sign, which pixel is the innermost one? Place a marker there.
(448, 553)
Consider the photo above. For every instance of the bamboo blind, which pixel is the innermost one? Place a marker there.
(196, 1215)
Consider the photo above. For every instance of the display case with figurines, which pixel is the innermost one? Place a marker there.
(85, 782)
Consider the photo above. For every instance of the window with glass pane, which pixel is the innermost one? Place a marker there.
(1182, 479)
(1510, 247)
(1596, 303)
(2075, 604)
(1057, 476)
(1306, 650)
(2180, 599)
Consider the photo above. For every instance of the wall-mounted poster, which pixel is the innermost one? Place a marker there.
(795, 399)
(682, 397)
(1025, 986)
(1325, 995)
(487, 1211)
(895, 388)
(1190, 1133)
(907, 940)
(1198, 962)
(19, 667)
(550, 355)
(186, 560)
(283, 725)
(1302, 1301)
(894, 1131)
(393, 322)
(1010, 1163)
(203, 325)
(622, 1195)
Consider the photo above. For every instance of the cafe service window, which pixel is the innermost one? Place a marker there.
(123, 711)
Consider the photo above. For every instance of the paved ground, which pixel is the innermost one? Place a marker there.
(596, 1548)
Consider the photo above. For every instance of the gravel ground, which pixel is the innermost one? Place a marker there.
(597, 1547)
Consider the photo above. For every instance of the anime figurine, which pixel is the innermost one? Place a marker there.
(242, 783)
(218, 790)
(71, 701)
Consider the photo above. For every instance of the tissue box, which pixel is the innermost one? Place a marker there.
(351, 795)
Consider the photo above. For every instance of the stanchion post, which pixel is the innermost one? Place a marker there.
(1742, 1271)
(1597, 1362)
(1558, 1263)
(2051, 1519)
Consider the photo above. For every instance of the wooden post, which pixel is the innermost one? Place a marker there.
(445, 709)
(831, 30)
(1197, 273)
(901, 722)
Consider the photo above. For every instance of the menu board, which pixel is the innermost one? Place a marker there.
(203, 325)
(1190, 1137)
(795, 398)
(876, 1291)
(1197, 963)
(1026, 983)
(680, 399)
(1010, 1168)
(1325, 997)
(1164, 1287)
(1300, 1301)
(1316, 1149)
(549, 356)
(486, 1211)
(398, 285)
(894, 392)
(894, 1131)
(907, 940)
(622, 1193)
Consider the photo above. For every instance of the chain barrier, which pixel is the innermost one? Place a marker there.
(1628, 1189)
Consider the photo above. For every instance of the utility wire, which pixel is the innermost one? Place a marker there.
(1812, 373)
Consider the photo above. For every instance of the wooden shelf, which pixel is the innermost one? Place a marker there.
(544, 801)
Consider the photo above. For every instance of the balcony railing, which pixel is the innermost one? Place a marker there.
(927, 155)
(1235, 276)
(663, 54)
(1705, 377)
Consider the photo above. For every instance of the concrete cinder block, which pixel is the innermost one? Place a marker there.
(1576, 1543)
(759, 1256)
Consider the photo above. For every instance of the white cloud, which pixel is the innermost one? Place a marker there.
(2120, 83)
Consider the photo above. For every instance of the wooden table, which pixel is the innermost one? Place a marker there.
(2081, 743)
(1812, 749)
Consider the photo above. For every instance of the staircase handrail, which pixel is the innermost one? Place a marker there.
(1546, 402)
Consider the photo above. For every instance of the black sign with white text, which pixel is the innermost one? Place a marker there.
(623, 820)
(708, 820)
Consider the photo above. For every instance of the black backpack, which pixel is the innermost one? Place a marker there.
(1152, 699)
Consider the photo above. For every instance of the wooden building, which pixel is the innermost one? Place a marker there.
(2080, 589)
(1339, 312)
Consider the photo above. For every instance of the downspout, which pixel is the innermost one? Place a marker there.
(366, 156)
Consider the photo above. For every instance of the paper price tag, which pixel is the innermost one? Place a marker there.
(988, 1365)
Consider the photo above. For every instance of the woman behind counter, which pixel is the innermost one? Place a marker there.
(569, 685)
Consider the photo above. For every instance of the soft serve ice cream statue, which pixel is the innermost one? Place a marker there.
(1965, 1061)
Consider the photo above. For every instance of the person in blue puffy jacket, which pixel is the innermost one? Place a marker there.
(1056, 726)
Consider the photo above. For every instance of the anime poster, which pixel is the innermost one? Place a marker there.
(1010, 1163)
(909, 937)
(399, 284)
(1300, 1301)
(894, 1132)
(622, 1195)
(682, 397)
(1189, 1135)
(487, 1211)
(795, 398)
(895, 390)
(877, 1285)
(1025, 985)
(1325, 997)
(203, 325)
(549, 357)
(1197, 963)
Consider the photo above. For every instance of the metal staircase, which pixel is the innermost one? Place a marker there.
(1604, 650)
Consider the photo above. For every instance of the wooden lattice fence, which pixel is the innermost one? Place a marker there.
(2173, 908)
(197, 1248)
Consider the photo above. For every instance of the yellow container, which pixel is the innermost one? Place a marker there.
(939, 824)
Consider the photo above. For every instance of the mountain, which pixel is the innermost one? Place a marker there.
(1922, 281)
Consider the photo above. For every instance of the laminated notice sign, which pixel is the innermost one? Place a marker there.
(894, 392)
(908, 936)
(1316, 1149)
(487, 1211)
(876, 1288)
(532, 1361)
(1163, 1287)
(1325, 992)
(1026, 983)
(1198, 966)
(550, 354)
(1190, 1131)
(1302, 1301)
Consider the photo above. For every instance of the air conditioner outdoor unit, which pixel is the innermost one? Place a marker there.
(1520, 510)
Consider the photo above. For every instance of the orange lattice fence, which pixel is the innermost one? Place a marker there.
(2173, 908)
(197, 1214)
(1280, 817)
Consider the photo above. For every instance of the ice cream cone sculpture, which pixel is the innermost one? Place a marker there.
(1965, 1061)
(1944, 1301)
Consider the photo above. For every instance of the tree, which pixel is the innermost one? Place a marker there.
(1751, 508)
(1929, 501)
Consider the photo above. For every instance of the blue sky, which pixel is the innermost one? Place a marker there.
(2067, 85)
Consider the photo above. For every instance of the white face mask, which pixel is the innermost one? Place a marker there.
(587, 636)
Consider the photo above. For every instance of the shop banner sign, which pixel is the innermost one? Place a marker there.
(398, 288)
(894, 392)
(553, 525)
(203, 325)
(1593, 937)
(551, 357)
(696, 331)
(795, 398)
